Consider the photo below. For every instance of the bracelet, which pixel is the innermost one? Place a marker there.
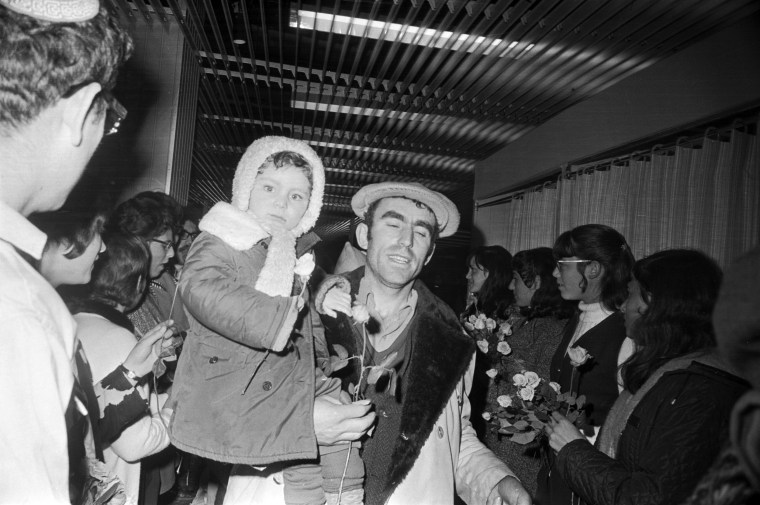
(129, 374)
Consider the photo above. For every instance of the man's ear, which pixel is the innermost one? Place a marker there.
(430, 253)
(362, 232)
(76, 111)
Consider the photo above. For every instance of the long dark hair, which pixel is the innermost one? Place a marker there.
(494, 296)
(680, 287)
(605, 245)
(121, 273)
(547, 300)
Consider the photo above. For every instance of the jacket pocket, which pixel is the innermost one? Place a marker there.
(220, 362)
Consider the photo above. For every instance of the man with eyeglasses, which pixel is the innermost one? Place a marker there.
(58, 61)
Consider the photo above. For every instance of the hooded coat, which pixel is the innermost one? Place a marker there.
(245, 382)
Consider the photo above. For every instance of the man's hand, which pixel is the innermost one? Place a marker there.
(561, 432)
(145, 353)
(335, 301)
(335, 422)
(511, 492)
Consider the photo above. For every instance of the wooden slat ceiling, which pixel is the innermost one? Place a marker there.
(415, 90)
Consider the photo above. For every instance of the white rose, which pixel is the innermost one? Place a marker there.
(305, 265)
(554, 386)
(492, 373)
(505, 329)
(519, 380)
(479, 324)
(486, 416)
(578, 356)
(533, 378)
(504, 401)
(483, 345)
(503, 348)
(527, 393)
(490, 324)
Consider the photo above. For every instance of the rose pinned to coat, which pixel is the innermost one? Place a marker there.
(578, 356)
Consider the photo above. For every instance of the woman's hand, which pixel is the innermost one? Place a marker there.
(336, 301)
(561, 432)
(145, 353)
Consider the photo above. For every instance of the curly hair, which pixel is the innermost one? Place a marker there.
(69, 228)
(147, 215)
(121, 273)
(289, 159)
(494, 296)
(41, 61)
(605, 245)
(547, 300)
(679, 287)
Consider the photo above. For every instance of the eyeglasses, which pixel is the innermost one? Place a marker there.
(564, 262)
(184, 234)
(166, 245)
(115, 111)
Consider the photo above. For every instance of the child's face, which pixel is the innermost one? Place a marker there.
(280, 197)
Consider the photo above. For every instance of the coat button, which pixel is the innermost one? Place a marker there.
(440, 432)
(213, 359)
(266, 386)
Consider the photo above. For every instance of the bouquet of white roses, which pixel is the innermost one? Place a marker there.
(527, 404)
(480, 327)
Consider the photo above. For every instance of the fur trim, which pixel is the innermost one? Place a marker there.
(236, 228)
(254, 157)
(441, 354)
(276, 277)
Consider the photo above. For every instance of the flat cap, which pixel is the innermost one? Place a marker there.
(446, 213)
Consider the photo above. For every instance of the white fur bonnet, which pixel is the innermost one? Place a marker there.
(254, 157)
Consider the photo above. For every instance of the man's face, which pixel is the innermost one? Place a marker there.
(399, 243)
(186, 237)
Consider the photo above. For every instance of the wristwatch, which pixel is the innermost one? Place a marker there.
(129, 374)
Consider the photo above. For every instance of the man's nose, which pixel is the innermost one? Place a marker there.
(406, 237)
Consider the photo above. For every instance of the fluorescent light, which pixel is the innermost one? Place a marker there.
(407, 34)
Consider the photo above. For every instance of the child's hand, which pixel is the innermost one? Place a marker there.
(337, 301)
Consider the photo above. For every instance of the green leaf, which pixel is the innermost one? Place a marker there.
(521, 425)
(581, 401)
(524, 438)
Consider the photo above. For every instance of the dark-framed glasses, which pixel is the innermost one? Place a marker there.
(115, 113)
(166, 245)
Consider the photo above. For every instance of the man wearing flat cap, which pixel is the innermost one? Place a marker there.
(423, 449)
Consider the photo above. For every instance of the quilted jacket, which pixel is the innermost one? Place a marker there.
(668, 443)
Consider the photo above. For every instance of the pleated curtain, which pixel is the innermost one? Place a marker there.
(703, 195)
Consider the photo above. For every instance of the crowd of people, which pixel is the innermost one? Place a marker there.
(148, 336)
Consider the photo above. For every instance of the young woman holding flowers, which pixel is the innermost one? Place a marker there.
(669, 423)
(593, 266)
(488, 276)
(532, 344)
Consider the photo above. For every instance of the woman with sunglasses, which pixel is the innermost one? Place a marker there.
(593, 267)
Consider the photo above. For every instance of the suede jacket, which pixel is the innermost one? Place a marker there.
(436, 453)
(236, 398)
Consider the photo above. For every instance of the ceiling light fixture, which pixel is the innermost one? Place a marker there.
(407, 34)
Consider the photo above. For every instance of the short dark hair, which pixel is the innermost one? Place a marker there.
(42, 61)
(117, 272)
(69, 228)
(369, 218)
(680, 288)
(605, 245)
(147, 215)
(547, 300)
(494, 297)
(289, 158)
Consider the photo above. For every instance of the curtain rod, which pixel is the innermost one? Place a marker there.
(567, 171)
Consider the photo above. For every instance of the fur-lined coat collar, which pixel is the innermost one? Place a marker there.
(440, 356)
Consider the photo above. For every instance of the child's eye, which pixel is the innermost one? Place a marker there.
(297, 196)
(268, 188)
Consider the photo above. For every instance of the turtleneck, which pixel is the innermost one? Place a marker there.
(591, 315)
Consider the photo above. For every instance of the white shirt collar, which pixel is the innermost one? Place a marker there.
(19, 232)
